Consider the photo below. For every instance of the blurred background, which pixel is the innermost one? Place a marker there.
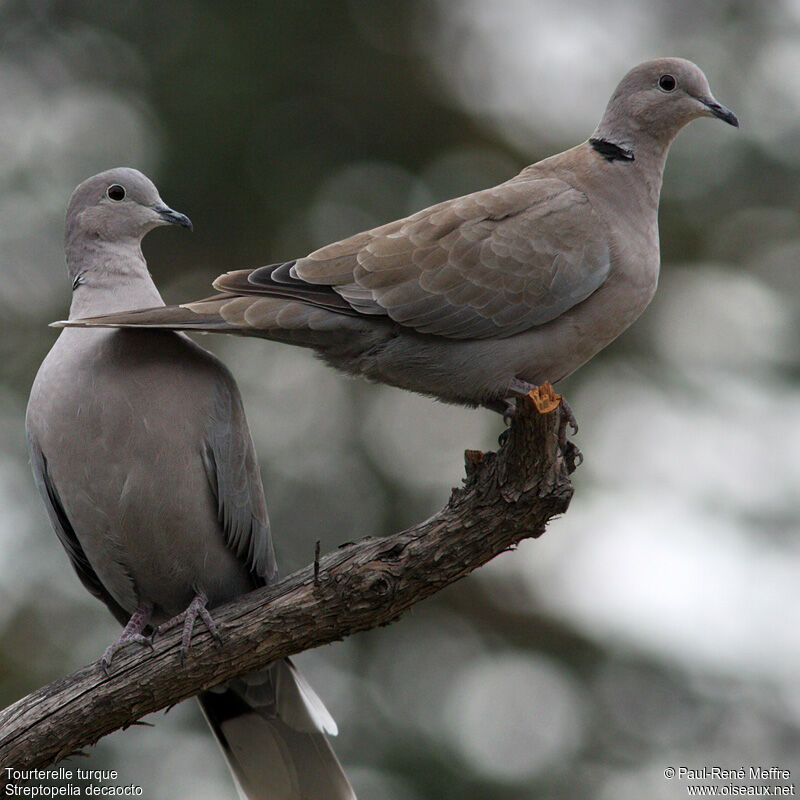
(655, 624)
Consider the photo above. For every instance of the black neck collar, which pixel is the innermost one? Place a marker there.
(611, 151)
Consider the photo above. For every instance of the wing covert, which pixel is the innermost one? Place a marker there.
(487, 265)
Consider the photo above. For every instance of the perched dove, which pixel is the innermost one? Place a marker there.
(141, 452)
(481, 298)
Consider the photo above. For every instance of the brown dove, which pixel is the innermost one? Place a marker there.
(481, 298)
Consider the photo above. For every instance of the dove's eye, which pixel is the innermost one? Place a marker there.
(667, 83)
(115, 192)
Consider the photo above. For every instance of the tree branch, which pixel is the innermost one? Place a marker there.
(506, 497)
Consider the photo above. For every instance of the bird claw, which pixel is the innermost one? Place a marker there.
(197, 608)
(111, 650)
(567, 417)
(546, 400)
(131, 633)
(572, 454)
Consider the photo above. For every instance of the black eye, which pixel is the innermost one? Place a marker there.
(116, 192)
(667, 83)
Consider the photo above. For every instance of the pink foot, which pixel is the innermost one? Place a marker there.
(131, 633)
(197, 608)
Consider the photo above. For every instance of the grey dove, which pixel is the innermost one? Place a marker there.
(481, 298)
(141, 451)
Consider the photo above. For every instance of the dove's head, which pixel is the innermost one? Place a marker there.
(656, 99)
(118, 205)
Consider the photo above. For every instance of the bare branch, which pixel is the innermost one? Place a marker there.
(507, 496)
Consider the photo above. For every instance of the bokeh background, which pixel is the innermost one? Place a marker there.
(655, 624)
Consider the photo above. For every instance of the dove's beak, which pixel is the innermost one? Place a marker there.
(173, 217)
(720, 111)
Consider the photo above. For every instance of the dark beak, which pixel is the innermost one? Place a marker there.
(719, 111)
(173, 217)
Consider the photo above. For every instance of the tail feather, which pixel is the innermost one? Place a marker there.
(203, 315)
(298, 704)
(337, 337)
(278, 318)
(271, 728)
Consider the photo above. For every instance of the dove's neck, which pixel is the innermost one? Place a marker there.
(639, 150)
(108, 277)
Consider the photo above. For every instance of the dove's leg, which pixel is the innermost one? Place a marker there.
(132, 632)
(503, 407)
(521, 388)
(197, 608)
(518, 387)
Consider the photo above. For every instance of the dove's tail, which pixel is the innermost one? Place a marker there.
(272, 729)
(282, 319)
(203, 315)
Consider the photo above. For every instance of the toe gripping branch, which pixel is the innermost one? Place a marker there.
(546, 400)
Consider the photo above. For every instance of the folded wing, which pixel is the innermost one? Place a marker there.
(487, 265)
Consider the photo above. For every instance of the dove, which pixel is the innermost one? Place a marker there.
(479, 299)
(142, 454)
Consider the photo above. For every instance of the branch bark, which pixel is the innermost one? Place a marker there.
(506, 497)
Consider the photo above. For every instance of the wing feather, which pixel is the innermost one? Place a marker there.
(232, 469)
(491, 264)
(66, 533)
